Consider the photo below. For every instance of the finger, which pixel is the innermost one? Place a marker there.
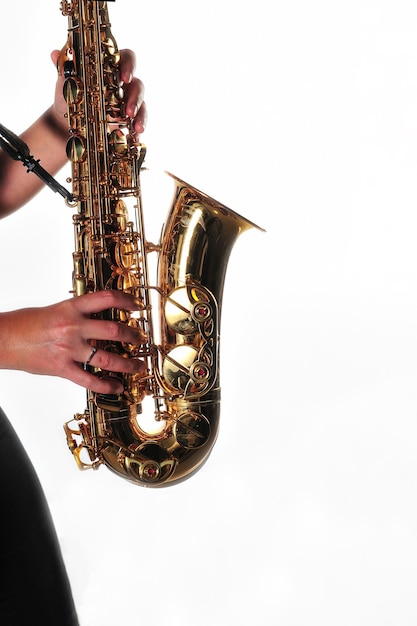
(134, 95)
(107, 330)
(127, 65)
(54, 57)
(107, 299)
(140, 121)
(110, 362)
(99, 385)
(58, 60)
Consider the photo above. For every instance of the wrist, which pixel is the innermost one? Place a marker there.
(56, 122)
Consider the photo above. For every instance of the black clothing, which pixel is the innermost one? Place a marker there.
(34, 587)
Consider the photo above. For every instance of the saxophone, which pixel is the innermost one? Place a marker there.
(182, 370)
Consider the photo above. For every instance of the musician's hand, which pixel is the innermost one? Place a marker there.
(133, 89)
(55, 340)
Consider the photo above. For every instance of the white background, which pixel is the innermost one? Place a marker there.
(302, 116)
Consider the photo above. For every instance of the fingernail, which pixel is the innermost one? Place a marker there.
(127, 77)
(139, 127)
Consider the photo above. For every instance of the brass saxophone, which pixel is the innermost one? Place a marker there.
(182, 370)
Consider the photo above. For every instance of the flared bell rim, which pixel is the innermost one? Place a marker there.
(245, 223)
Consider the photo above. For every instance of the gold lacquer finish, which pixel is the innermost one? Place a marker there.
(172, 440)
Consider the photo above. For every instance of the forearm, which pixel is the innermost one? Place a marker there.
(46, 139)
